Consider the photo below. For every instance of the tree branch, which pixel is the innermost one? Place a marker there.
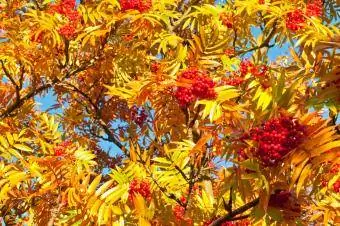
(103, 125)
(8, 75)
(35, 91)
(232, 216)
(265, 43)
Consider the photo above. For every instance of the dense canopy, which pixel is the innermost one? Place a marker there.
(169, 112)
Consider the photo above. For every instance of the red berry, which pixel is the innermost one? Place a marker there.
(276, 138)
(179, 212)
(140, 5)
(245, 67)
(233, 81)
(141, 187)
(68, 31)
(66, 7)
(200, 87)
(73, 15)
(314, 9)
(295, 20)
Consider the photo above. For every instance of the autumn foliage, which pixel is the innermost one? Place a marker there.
(169, 112)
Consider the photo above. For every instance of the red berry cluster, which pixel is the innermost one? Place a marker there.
(261, 2)
(296, 19)
(140, 5)
(233, 81)
(138, 115)
(257, 70)
(141, 187)
(68, 31)
(314, 9)
(201, 87)
(67, 8)
(276, 138)
(179, 212)
(60, 149)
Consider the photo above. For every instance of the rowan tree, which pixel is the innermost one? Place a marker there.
(208, 127)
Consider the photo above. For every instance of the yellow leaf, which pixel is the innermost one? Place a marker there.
(139, 203)
(95, 207)
(297, 172)
(117, 194)
(101, 212)
(3, 142)
(326, 147)
(143, 222)
(103, 188)
(305, 172)
(94, 184)
(108, 192)
(23, 147)
(9, 138)
(117, 210)
(14, 153)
